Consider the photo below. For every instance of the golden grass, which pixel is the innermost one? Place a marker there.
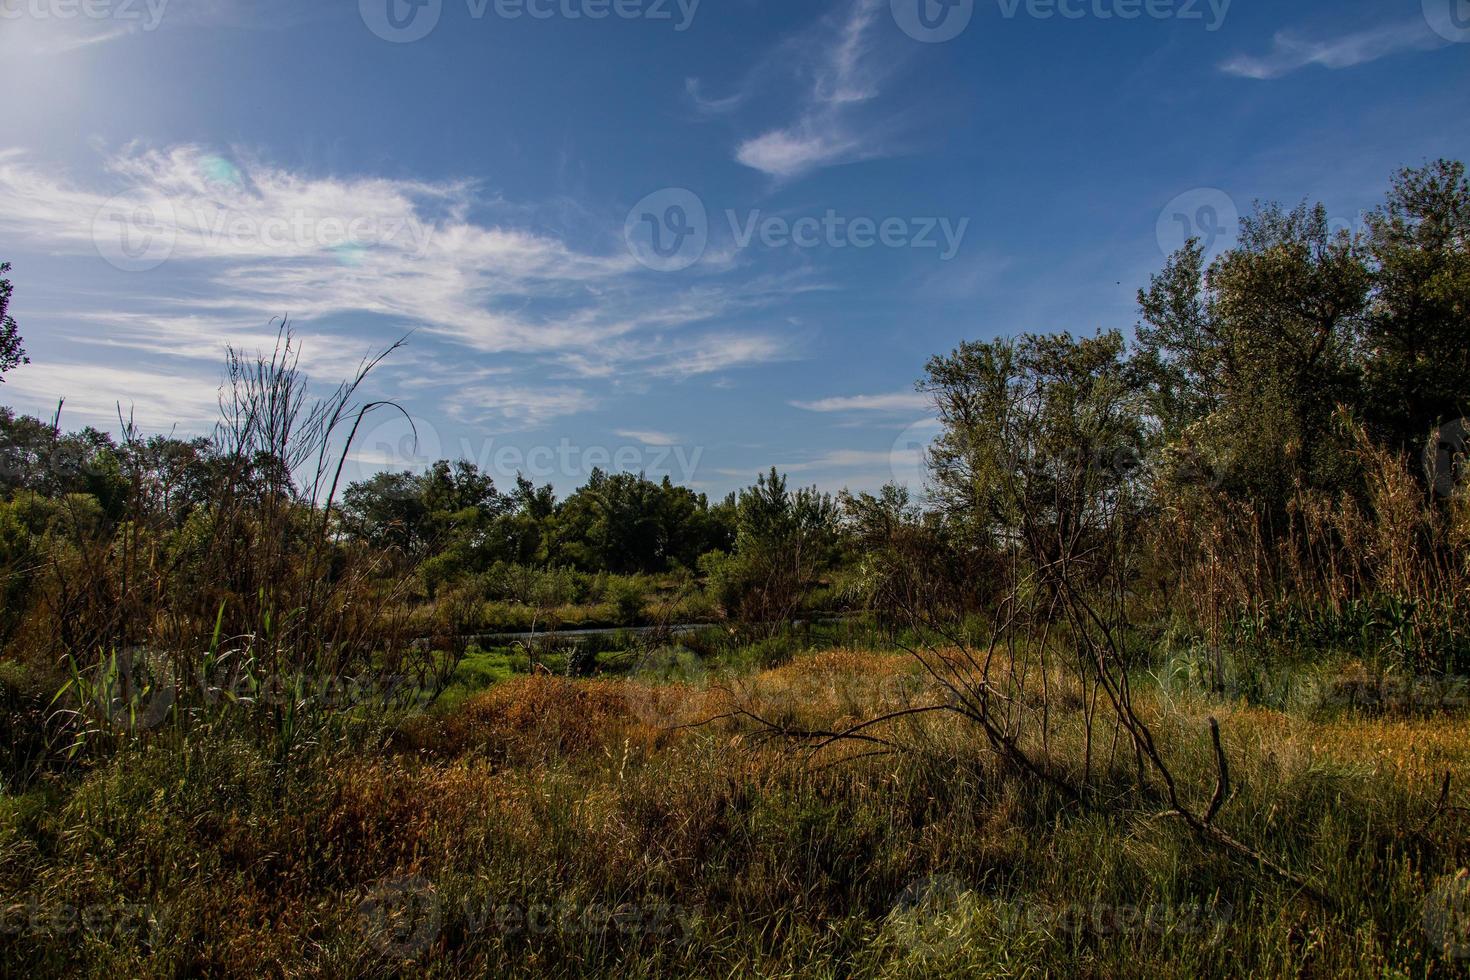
(548, 791)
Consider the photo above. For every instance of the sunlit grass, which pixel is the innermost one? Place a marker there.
(562, 827)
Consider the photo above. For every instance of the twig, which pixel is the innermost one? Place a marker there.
(1222, 771)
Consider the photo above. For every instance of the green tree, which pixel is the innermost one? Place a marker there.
(784, 540)
(388, 511)
(1041, 439)
(12, 353)
(1250, 357)
(626, 523)
(1417, 358)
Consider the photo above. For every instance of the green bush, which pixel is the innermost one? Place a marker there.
(628, 600)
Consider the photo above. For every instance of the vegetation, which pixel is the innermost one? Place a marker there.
(1164, 675)
(12, 353)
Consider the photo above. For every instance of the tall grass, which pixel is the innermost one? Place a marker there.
(548, 828)
(1381, 576)
(248, 613)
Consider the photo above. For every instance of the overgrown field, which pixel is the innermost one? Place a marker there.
(551, 826)
(1165, 674)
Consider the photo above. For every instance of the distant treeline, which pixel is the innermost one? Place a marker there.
(1264, 436)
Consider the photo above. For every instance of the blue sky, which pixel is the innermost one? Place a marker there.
(690, 238)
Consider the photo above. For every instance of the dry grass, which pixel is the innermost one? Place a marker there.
(648, 849)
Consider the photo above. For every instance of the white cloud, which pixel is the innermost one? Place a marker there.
(1290, 53)
(667, 357)
(95, 393)
(205, 339)
(842, 74)
(649, 437)
(245, 240)
(843, 459)
(792, 152)
(518, 405)
(896, 401)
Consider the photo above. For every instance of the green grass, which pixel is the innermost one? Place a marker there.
(551, 827)
(478, 670)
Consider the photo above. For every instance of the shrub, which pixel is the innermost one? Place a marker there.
(629, 600)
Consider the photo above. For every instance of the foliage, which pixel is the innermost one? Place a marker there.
(12, 353)
(248, 699)
(545, 827)
(784, 540)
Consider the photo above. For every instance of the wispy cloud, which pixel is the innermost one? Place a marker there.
(843, 459)
(521, 406)
(32, 29)
(99, 393)
(840, 69)
(811, 144)
(1290, 52)
(649, 437)
(239, 239)
(711, 107)
(706, 352)
(896, 401)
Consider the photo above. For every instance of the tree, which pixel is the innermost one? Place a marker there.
(1041, 441)
(388, 511)
(626, 523)
(612, 524)
(784, 540)
(1417, 360)
(1249, 358)
(11, 351)
(911, 567)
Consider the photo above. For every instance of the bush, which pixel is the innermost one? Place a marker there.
(773, 651)
(628, 600)
(582, 660)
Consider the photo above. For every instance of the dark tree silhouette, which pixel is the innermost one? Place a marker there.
(11, 351)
